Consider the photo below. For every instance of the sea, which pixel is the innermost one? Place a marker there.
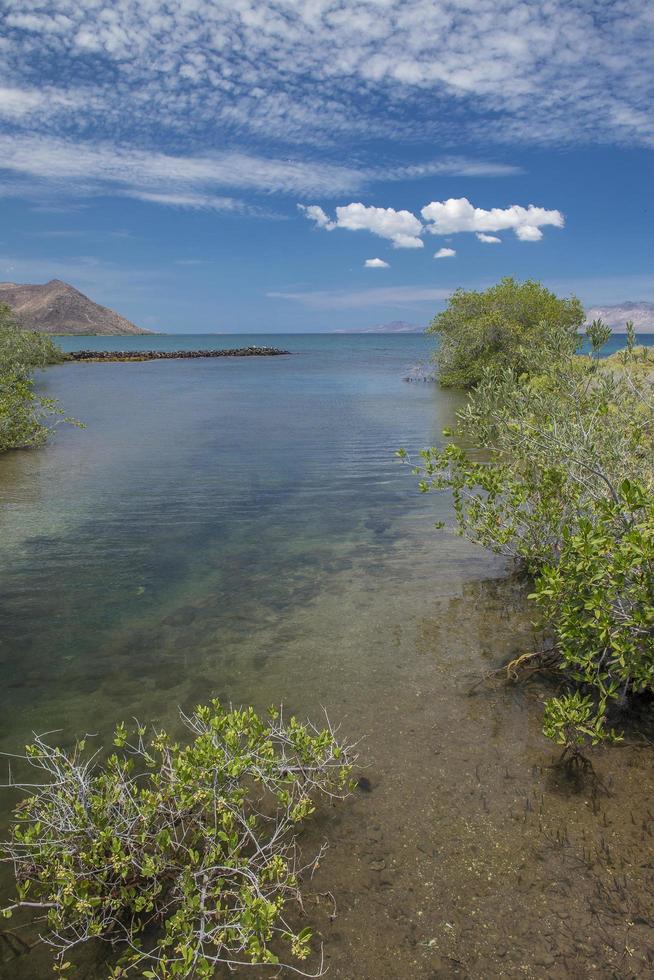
(241, 528)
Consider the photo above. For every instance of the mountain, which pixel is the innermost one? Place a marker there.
(395, 326)
(616, 316)
(58, 308)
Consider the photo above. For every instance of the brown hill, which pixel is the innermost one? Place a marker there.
(58, 308)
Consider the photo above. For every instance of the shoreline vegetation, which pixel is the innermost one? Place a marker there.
(185, 855)
(26, 418)
(564, 488)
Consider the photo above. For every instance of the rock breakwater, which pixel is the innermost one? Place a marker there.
(167, 355)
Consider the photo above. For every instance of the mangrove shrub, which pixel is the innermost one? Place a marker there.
(182, 856)
(502, 327)
(25, 416)
(555, 468)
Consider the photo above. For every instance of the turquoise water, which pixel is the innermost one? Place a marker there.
(151, 556)
(241, 528)
(339, 349)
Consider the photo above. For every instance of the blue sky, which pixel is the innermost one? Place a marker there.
(273, 165)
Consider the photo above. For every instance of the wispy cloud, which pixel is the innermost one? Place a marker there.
(375, 264)
(96, 277)
(151, 172)
(446, 167)
(445, 253)
(312, 72)
(19, 104)
(46, 165)
(395, 297)
(196, 202)
(74, 233)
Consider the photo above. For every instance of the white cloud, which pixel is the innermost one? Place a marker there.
(529, 233)
(489, 239)
(401, 227)
(40, 23)
(195, 202)
(449, 217)
(155, 173)
(394, 297)
(85, 168)
(305, 70)
(25, 103)
(375, 264)
(458, 214)
(448, 167)
(16, 102)
(316, 213)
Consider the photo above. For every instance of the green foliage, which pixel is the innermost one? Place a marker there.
(503, 327)
(639, 361)
(535, 453)
(555, 468)
(22, 350)
(574, 721)
(598, 334)
(598, 599)
(184, 855)
(25, 417)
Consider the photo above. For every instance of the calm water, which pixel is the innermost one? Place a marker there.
(241, 528)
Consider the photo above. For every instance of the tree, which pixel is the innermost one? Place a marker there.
(501, 327)
(24, 415)
(564, 484)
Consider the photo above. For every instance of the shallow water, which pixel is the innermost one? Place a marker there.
(242, 529)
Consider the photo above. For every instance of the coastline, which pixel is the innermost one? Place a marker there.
(180, 573)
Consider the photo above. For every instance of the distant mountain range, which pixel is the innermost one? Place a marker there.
(616, 316)
(642, 313)
(58, 308)
(395, 326)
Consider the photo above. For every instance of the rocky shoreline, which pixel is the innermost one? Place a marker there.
(161, 355)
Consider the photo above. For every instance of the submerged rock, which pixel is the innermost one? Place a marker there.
(421, 372)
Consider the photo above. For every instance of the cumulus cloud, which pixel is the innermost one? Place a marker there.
(316, 214)
(375, 264)
(489, 239)
(449, 217)
(458, 214)
(402, 228)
